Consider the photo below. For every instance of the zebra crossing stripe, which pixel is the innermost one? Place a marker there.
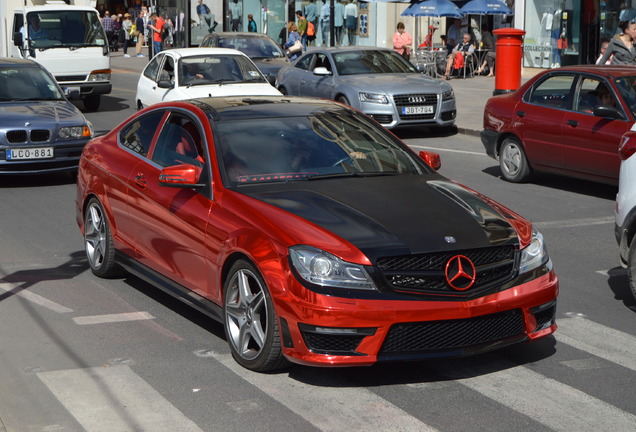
(107, 399)
(545, 400)
(328, 408)
(12, 289)
(597, 339)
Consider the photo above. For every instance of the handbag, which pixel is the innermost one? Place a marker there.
(297, 46)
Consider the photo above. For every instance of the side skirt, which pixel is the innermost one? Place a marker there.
(170, 287)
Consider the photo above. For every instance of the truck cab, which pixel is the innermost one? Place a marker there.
(70, 43)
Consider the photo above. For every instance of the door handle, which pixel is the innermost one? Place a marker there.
(521, 113)
(140, 180)
(573, 123)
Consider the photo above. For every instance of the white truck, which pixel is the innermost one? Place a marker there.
(69, 42)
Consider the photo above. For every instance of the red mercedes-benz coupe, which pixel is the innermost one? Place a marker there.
(312, 233)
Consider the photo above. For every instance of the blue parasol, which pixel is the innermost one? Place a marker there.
(433, 8)
(485, 7)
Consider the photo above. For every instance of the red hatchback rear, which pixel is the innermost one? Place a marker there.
(566, 121)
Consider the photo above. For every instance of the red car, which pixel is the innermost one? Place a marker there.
(566, 121)
(312, 233)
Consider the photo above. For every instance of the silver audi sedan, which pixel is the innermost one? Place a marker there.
(376, 81)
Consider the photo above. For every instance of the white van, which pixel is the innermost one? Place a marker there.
(70, 43)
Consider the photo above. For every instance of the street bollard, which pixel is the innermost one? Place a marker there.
(509, 49)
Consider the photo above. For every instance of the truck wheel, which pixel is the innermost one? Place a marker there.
(91, 103)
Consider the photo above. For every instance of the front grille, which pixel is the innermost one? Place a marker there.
(331, 344)
(22, 136)
(40, 135)
(425, 273)
(70, 78)
(422, 337)
(416, 99)
(16, 136)
(382, 118)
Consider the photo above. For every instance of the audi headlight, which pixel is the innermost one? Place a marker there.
(374, 98)
(448, 95)
(322, 268)
(535, 254)
(85, 131)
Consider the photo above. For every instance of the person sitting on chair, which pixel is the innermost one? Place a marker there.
(465, 49)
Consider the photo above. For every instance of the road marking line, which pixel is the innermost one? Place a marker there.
(599, 340)
(545, 400)
(106, 399)
(436, 149)
(34, 298)
(112, 318)
(330, 408)
(570, 223)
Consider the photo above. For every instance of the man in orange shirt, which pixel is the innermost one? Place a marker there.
(156, 26)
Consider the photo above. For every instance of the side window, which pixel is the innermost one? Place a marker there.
(18, 23)
(323, 61)
(179, 143)
(553, 92)
(304, 63)
(167, 70)
(153, 67)
(593, 93)
(137, 136)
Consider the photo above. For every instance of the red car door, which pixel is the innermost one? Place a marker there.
(591, 141)
(171, 222)
(538, 119)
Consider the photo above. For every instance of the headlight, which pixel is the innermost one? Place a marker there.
(321, 268)
(448, 95)
(535, 254)
(85, 131)
(373, 98)
(100, 75)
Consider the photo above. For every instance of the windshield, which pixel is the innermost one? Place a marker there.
(371, 62)
(211, 69)
(48, 29)
(627, 88)
(253, 47)
(27, 83)
(336, 143)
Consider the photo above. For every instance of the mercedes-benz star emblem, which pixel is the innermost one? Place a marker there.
(460, 272)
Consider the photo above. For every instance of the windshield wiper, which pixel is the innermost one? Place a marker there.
(352, 174)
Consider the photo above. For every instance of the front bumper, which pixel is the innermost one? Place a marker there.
(390, 115)
(66, 158)
(357, 332)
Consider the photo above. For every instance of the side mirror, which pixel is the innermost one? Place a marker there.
(17, 39)
(321, 71)
(432, 159)
(72, 93)
(181, 176)
(165, 84)
(607, 111)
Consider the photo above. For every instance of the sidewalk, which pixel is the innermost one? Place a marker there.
(471, 94)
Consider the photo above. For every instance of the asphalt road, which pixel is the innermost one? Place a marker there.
(78, 353)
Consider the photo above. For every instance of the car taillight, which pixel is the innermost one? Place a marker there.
(627, 146)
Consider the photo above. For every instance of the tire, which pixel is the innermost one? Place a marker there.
(631, 267)
(343, 100)
(513, 162)
(91, 103)
(98, 242)
(250, 321)
(283, 90)
(140, 106)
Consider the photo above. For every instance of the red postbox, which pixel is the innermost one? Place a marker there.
(509, 49)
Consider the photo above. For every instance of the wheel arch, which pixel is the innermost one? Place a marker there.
(504, 136)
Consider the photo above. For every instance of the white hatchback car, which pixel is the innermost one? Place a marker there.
(625, 228)
(187, 73)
